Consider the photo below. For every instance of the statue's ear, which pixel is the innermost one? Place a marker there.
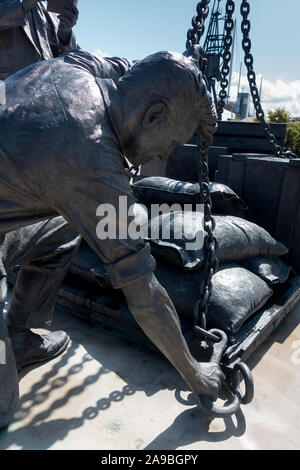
(156, 115)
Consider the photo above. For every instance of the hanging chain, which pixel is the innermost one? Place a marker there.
(229, 25)
(194, 36)
(210, 244)
(195, 33)
(246, 44)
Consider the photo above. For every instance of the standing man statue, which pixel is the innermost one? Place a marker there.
(64, 135)
(29, 33)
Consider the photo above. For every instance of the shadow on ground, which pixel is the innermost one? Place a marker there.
(138, 367)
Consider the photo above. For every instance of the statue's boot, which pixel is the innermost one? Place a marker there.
(9, 386)
(30, 348)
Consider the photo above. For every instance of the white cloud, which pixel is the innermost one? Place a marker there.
(280, 93)
(100, 53)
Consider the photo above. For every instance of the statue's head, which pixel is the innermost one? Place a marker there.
(165, 102)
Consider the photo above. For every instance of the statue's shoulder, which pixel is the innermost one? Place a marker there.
(78, 92)
(84, 60)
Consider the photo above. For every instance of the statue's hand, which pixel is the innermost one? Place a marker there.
(29, 4)
(68, 19)
(208, 380)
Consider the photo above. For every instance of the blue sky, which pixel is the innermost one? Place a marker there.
(136, 28)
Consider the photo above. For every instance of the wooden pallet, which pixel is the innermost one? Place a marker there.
(111, 312)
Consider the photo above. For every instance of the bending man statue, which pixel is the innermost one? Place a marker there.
(29, 33)
(64, 135)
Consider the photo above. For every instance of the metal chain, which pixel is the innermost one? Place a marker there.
(210, 244)
(246, 44)
(195, 33)
(194, 36)
(229, 25)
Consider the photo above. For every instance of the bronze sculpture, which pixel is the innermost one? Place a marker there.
(82, 127)
(29, 33)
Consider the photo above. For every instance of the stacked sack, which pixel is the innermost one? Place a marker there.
(249, 257)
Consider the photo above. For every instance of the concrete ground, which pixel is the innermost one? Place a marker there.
(107, 393)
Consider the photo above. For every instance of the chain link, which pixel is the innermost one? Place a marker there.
(210, 243)
(246, 44)
(228, 28)
(195, 33)
(194, 36)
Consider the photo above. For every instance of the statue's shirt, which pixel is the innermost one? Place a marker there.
(61, 154)
(26, 38)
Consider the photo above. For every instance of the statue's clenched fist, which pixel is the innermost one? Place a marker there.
(208, 380)
(68, 19)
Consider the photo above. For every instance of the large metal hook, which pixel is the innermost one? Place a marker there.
(234, 391)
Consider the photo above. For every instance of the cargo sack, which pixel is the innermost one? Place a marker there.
(271, 270)
(237, 239)
(161, 190)
(86, 264)
(236, 294)
(226, 201)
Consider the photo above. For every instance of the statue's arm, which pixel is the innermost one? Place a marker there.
(66, 37)
(80, 196)
(118, 65)
(69, 45)
(12, 14)
(156, 315)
